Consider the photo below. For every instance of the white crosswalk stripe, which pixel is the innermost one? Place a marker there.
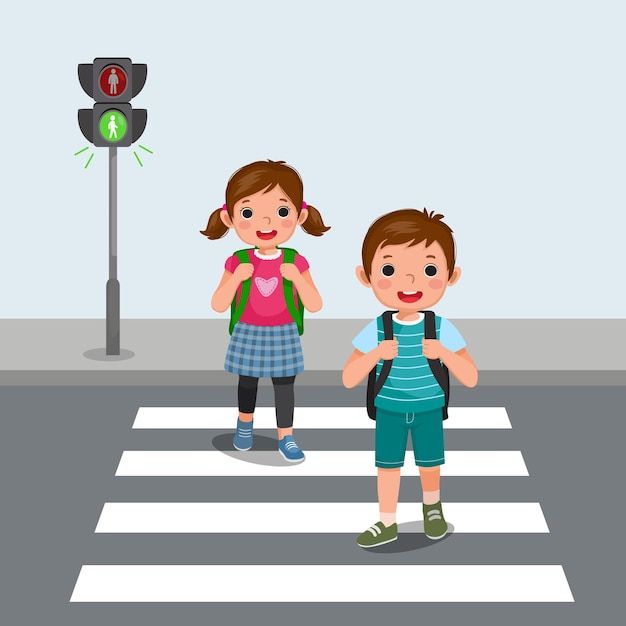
(309, 517)
(327, 418)
(321, 582)
(318, 463)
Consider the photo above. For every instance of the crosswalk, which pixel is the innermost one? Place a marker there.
(327, 418)
(322, 583)
(307, 517)
(318, 463)
(315, 582)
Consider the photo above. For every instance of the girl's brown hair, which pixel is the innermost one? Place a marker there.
(264, 176)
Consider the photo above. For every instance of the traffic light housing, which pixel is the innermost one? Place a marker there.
(112, 82)
(91, 75)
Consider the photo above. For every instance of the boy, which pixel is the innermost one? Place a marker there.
(408, 261)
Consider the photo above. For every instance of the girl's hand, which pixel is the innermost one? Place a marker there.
(388, 349)
(290, 271)
(432, 349)
(243, 271)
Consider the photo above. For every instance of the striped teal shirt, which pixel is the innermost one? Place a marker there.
(411, 386)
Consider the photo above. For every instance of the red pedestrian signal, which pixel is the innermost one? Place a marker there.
(113, 81)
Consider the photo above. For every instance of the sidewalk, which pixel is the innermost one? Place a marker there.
(191, 352)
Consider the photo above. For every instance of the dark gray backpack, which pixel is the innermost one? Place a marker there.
(439, 370)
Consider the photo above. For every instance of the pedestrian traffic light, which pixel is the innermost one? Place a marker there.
(112, 122)
(112, 82)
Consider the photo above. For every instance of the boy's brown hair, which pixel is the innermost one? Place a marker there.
(408, 226)
(264, 176)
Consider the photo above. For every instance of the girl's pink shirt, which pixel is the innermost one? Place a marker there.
(266, 305)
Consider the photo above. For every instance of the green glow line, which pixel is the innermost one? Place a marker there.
(138, 159)
(89, 161)
(81, 150)
(146, 149)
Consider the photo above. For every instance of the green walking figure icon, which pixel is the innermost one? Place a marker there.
(112, 126)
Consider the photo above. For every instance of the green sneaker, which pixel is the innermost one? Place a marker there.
(435, 525)
(377, 535)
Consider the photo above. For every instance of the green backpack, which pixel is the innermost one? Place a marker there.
(237, 308)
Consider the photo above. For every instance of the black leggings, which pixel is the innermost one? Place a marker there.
(283, 397)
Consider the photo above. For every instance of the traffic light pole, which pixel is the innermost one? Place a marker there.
(113, 285)
(113, 123)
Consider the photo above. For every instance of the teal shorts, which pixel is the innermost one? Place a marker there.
(392, 430)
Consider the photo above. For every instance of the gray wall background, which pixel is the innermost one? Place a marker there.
(508, 117)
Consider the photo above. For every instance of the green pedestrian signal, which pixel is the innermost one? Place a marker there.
(113, 126)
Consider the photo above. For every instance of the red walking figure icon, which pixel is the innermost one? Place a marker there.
(113, 81)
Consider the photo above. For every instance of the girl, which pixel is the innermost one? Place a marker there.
(266, 288)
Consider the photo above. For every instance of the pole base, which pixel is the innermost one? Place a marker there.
(113, 317)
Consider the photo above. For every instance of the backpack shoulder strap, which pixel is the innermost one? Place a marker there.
(243, 255)
(388, 324)
(237, 307)
(439, 370)
(291, 294)
(374, 383)
(430, 330)
(289, 255)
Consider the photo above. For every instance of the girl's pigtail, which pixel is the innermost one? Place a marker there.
(215, 228)
(314, 224)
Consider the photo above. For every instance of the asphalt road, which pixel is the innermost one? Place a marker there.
(60, 448)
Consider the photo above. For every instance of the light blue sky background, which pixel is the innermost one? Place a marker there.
(508, 117)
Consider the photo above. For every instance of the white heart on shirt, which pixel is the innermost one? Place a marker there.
(267, 286)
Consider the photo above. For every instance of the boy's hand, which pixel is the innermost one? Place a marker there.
(432, 348)
(289, 271)
(388, 349)
(243, 271)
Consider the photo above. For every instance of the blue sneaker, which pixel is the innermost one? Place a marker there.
(242, 440)
(290, 450)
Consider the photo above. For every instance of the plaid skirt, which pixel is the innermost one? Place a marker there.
(264, 351)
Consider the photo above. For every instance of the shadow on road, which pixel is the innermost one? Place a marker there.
(411, 537)
(264, 451)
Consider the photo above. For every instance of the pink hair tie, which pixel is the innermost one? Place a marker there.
(304, 204)
(224, 207)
